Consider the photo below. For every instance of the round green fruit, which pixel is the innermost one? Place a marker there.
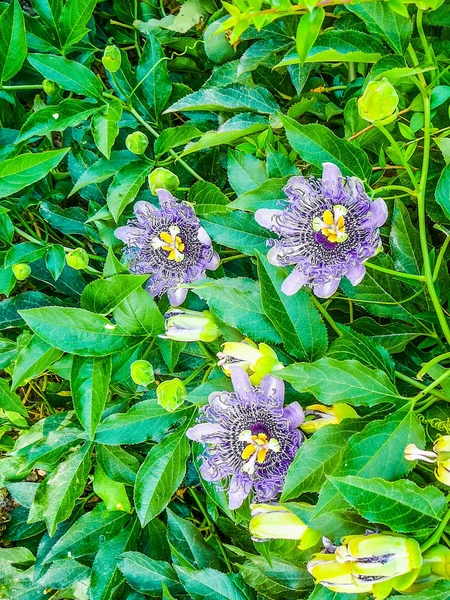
(217, 47)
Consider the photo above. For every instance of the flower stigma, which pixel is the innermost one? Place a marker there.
(170, 242)
(256, 450)
(332, 224)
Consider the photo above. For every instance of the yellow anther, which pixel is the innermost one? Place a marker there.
(248, 451)
(261, 455)
(328, 217)
(332, 224)
(171, 243)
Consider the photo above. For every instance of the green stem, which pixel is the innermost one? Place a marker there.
(434, 361)
(326, 315)
(235, 257)
(432, 385)
(30, 238)
(436, 536)
(401, 156)
(212, 528)
(16, 88)
(395, 273)
(207, 352)
(440, 258)
(401, 188)
(423, 37)
(194, 373)
(424, 407)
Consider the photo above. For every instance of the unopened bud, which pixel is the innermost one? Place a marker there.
(137, 142)
(162, 178)
(112, 59)
(21, 271)
(50, 87)
(142, 372)
(276, 522)
(257, 360)
(77, 259)
(379, 102)
(171, 394)
(190, 326)
(319, 415)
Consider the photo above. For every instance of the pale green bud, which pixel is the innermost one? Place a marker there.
(162, 178)
(50, 87)
(171, 394)
(21, 271)
(379, 102)
(319, 415)
(112, 59)
(257, 360)
(142, 372)
(137, 142)
(190, 326)
(77, 259)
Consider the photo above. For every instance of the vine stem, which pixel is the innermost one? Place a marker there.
(436, 536)
(437, 266)
(14, 88)
(395, 273)
(403, 160)
(212, 528)
(432, 385)
(434, 361)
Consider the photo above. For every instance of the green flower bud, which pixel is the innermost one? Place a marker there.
(21, 271)
(77, 259)
(190, 326)
(142, 372)
(428, 4)
(171, 394)
(112, 59)
(162, 178)
(379, 102)
(271, 521)
(439, 455)
(50, 87)
(319, 415)
(258, 361)
(137, 142)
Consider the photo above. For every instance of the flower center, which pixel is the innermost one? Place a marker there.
(256, 450)
(170, 242)
(332, 224)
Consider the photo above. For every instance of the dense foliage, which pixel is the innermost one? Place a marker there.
(121, 475)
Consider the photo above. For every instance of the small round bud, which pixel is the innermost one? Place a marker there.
(162, 178)
(142, 372)
(112, 59)
(379, 102)
(137, 142)
(77, 259)
(171, 394)
(21, 271)
(50, 87)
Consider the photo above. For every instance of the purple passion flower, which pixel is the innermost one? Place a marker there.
(169, 244)
(249, 437)
(327, 230)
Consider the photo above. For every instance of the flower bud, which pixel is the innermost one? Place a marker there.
(336, 576)
(142, 372)
(440, 455)
(171, 394)
(21, 271)
(162, 178)
(436, 565)
(137, 142)
(50, 87)
(276, 522)
(257, 360)
(190, 326)
(428, 4)
(77, 259)
(319, 415)
(379, 102)
(112, 59)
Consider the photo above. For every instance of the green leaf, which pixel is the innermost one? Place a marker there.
(56, 496)
(160, 474)
(144, 421)
(85, 536)
(237, 230)
(209, 584)
(267, 195)
(105, 575)
(33, 360)
(125, 186)
(279, 165)
(113, 493)
(9, 400)
(323, 593)
(382, 21)
(245, 171)
(402, 505)
(294, 317)
(13, 43)
(103, 295)
(188, 547)
(339, 45)
(70, 75)
(26, 252)
(21, 171)
(332, 381)
(117, 463)
(279, 579)
(103, 169)
(89, 382)
(393, 336)
(55, 260)
(207, 198)
(105, 126)
(63, 573)
(317, 144)
(321, 455)
(76, 330)
(74, 18)
(147, 575)
(228, 98)
(307, 31)
(153, 76)
(139, 314)
(442, 193)
(237, 302)
(439, 591)
(172, 137)
(68, 113)
(405, 241)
